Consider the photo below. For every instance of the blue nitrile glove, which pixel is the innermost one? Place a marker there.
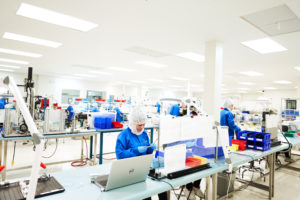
(190, 144)
(142, 149)
(153, 146)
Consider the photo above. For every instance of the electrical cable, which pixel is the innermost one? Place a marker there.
(13, 159)
(83, 162)
(56, 145)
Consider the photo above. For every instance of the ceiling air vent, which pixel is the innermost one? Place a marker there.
(274, 21)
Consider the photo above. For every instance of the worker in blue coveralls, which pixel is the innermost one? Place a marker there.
(2, 103)
(227, 118)
(95, 108)
(175, 110)
(158, 107)
(134, 140)
(119, 114)
(70, 115)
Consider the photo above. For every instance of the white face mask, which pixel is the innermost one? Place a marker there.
(133, 129)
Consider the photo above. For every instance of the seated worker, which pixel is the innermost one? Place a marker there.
(134, 141)
(227, 118)
(70, 115)
(158, 107)
(175, 110)
(119, 114)
(2, 103)
(95, 108)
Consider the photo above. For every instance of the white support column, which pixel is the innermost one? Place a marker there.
(139, 95)
(298, 89)
(213, 78)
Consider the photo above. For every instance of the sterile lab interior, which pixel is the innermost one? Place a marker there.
(149, 99)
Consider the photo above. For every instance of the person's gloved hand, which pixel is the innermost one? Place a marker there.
(142, 149)
(153, 146)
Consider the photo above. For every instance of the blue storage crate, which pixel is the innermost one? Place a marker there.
(199, 142)
(162, 154)
(242, 135)
(108, 123)
(266, 137)
(250, 145)
(262, 146)
(99, 122)
(208, 152)
(297, 113)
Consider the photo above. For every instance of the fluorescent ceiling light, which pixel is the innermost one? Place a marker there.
(135, 81)
(122, 69)
(270, 88)
(176, 86)
(85, 75)
(283, 82)
(10, 66)
(32, 40)
(192, 56)
(156, 80)
(7, 70)
(151, 64)
(195, 85)
(180, 78)
(52, 17)
(14, 61)
(246, 83)
(252, 73)
(243, 92)
(102, 73)
(243, 89)
(264, 46)
(297, 68)
(20, 53)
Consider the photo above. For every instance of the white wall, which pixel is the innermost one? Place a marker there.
(274, 95)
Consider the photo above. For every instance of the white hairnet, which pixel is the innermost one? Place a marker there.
(137, 116)
(228, 102)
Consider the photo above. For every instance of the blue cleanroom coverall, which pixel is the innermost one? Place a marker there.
(175, 110)
(95, 109)
(71, 112)
(2, 103)
(128, 143)
(119, 116)
(227, 119)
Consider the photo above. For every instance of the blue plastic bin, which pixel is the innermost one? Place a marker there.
(209, 152)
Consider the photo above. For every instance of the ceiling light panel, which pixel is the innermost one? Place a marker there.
(180, 78)
(10, 66)
(102, 73)
(85, 75)
(264, 46)
(122, 69)
(252, 73)
(20, 53)
(151, 64)
(135, 81)
(270, 88)
(52, 17)
(192, 56)
(247, 83)
(31, 40)
(297, 68)
(14, 61)
(156, 80)
(284, 82)
(7, 70)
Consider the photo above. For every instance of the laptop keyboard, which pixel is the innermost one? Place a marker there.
(103, 183)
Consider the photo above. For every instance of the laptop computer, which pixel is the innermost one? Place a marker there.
(125, 172)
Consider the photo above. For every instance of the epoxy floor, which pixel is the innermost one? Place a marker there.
(287, 182)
